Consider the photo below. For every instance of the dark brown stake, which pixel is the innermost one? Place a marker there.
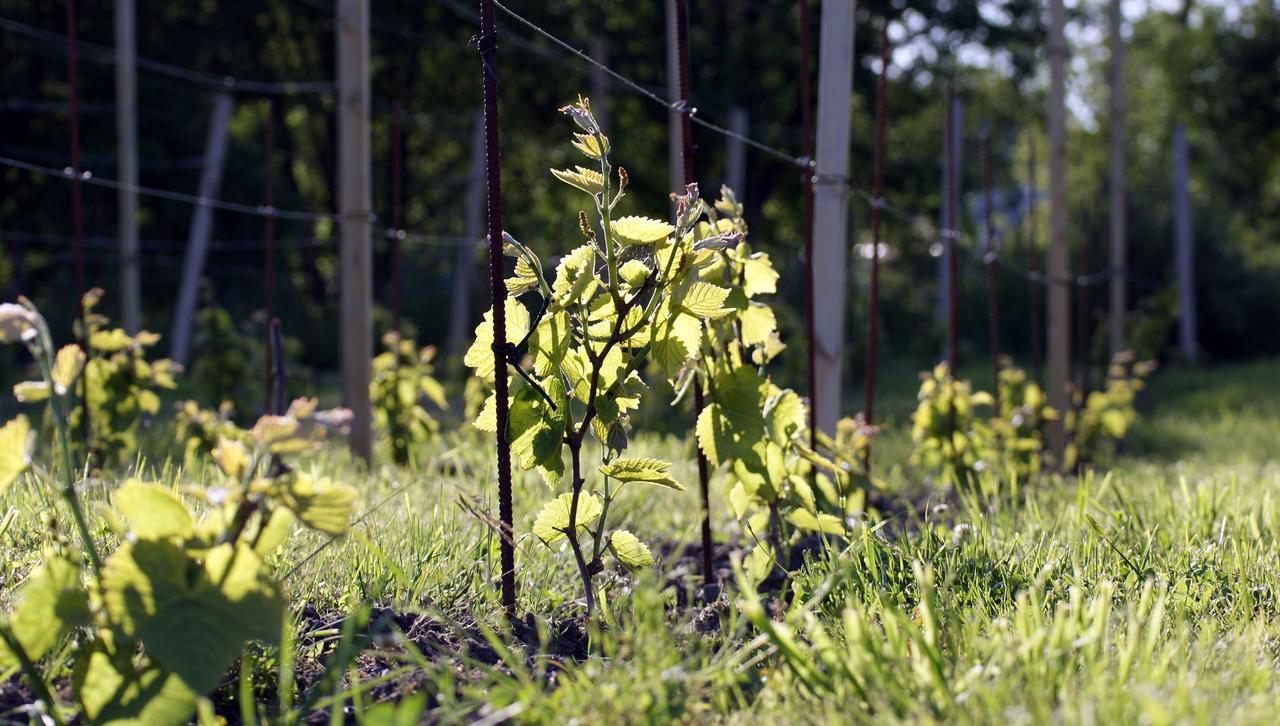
(877, 212)
(686, 160)
(806, 224)
(951, 233)
(993, 254)
(1082, 300)
(269, 240)
(488, 44)
(276, 404)
(1033, 264)
(77, 215)
(397, 166)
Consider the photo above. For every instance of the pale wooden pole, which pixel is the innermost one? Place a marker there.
(1184, 251)
(354, 202)
(600, 82)
(1058, 269)
(127, 151)
(465, 267)
(735, 163)
(1119, 294)
(831, 206)
(201, 227)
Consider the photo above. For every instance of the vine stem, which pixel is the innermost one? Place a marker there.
(68, 469)
(31, 672)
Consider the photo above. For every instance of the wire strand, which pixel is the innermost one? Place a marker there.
(107, 55)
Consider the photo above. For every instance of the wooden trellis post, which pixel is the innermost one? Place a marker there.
(355, 198)
(127, 155)
(831, 207)
(1059, 268)
(1118, 213)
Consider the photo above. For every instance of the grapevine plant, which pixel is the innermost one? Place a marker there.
(1104, 417)
(120, 384)
(158, 620)
(402, 379)
(750, 425)
(629, 296)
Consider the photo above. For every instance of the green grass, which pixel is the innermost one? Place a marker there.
(1148, 591)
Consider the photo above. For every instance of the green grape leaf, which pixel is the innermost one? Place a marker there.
(648, 470)
(574, 276)
(590, 144)
(786, 416)
(153, 511)
(726, 437)
(274, 531)
(535, 430)
(192, 617)
(525, 278)
(705, 300)
(111, 691)
(16, 441)
(31, 391)
(640, 230)
(550, 342)
(109, 341)
(676, 339)
(480, 355)
(66, 368)
(820, 522)
(318, 503)
(487, 420)
(553, 519)
(758, 275)
(51, 602)
(629, 550)
(582, 178)
(634, 272)
(759, 324)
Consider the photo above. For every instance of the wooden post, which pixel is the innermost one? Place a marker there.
(877, 214)
(1118, 232)
(990, 259)
(1034, 286)
(1059, 269)
(951, 234)
(1083, 307)
(1184, 250)
(600, 82)
(735, 163)
(215, 150)
(127, 154)
(806, 210)
(354, 202)
(465, 266)
(831, 207)
(952, 168)
(396, 233)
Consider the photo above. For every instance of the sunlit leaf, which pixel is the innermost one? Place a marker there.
(553, 520)
(653, 471)
(640, 230)
(16, 441)
(193, 617)
(66, 368)
(153, 511)
(629, 550)
(51, 602)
